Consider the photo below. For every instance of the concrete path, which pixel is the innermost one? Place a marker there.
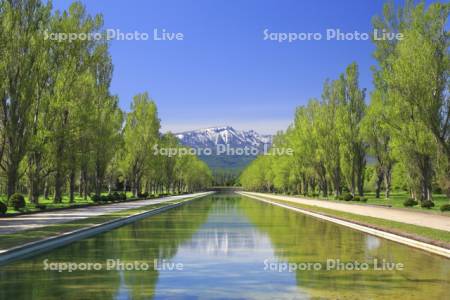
(32, 221)
(435, 221)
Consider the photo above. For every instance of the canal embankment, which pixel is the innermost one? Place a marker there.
(385, 225)
(48, 231)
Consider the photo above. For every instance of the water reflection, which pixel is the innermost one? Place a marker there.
(297, 238)
(223, 242)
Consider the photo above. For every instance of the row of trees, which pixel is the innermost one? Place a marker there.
(61, 130)
(404, 129)
(146, 168)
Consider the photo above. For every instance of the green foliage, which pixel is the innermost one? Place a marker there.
(3, 208)
(143, 195)
(427, 204)
(96, 198)
(410, 202)
(115, 196)
(23, 71)
(61, 121)
(326, 144)
(404, 130)
(17, 201)
(106, 198)
(445, 207)
(40, 206)
(412, 86)
(347, 197)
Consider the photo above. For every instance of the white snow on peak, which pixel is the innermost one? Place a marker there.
(227, 135)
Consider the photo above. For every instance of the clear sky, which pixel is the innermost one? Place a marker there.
(224, 72)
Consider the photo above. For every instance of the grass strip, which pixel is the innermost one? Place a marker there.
(396, 200)
(16, 239)
(429, 235)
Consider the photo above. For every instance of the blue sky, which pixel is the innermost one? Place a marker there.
(224, 72)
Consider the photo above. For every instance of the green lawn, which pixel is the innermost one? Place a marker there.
(49, 203)
(383, 224)
(396, 200)
(27, 236)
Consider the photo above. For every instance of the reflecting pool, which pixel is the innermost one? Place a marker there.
(226, 246)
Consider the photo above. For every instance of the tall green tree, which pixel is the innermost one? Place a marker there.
(351, 113)
(376, 133)
(412, 83)
(328, 134)
(74, 60)
(141, 133)
(22, 67)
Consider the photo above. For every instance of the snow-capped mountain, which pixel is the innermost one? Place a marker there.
(225, 135)
(210, 138)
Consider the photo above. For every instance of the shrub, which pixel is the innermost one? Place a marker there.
(115, 196)
(143, 195)
(3, 208)
(40, 206)
(363, 199)
(123, 196)
(96, 198)
(427, 204)
(410, 202)
(445, 207)
(17, 201)
(356, 198)
(437, 190)
(106, 198)
(348, 197)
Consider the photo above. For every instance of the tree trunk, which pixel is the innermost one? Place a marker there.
(34, 188)
(80, 187)
(12, 179)
(46, 190)
(426, 178)
(305, 185)
(85, 180)
(58, 185)
(59, 177)
(388, 180)
(337, 181)
(380, 176)
(72, 186)
(325, 188)
(360, 176)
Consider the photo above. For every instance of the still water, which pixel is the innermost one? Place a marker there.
(229, 247)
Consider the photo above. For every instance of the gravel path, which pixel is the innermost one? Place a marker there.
(424, 219)
(32, 221)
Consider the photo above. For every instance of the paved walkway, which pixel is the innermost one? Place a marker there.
(435, 221)
(32, 221)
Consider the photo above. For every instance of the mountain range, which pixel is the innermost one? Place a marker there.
(225, 136)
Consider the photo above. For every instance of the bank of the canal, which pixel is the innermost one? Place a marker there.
(233, 247)
(75, 224)
(368, 225)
